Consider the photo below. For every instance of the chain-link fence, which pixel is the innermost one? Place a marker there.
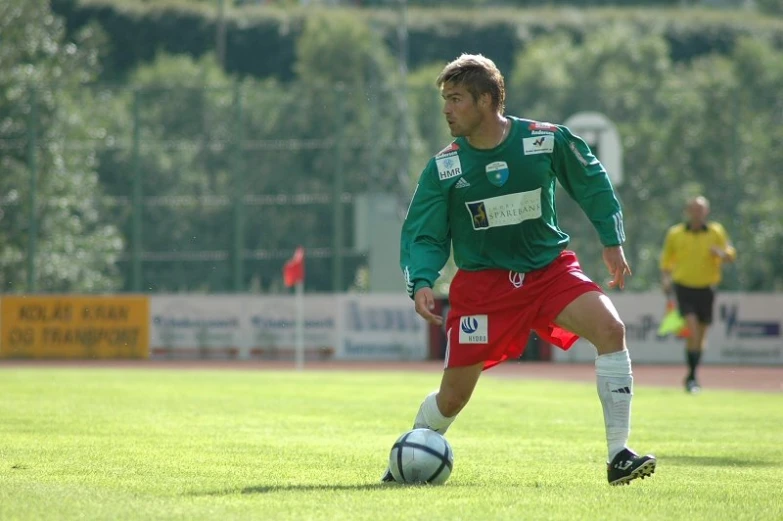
(211, 189)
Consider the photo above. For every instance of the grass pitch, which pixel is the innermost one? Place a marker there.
(217, 445)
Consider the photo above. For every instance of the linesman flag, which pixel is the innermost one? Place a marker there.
(293, 271)
(673, 322)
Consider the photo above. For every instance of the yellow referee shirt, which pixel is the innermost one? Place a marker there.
(687, 256)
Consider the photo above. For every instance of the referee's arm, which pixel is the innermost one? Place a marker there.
(667, 263)
(725, 250)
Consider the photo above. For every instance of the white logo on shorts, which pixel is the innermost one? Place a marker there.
(474, 329)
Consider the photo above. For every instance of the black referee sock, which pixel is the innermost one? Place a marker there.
(693, 361)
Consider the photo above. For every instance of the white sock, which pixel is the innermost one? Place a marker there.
(615, 389)
(430, 417)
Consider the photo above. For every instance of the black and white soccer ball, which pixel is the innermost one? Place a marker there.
(421, 456)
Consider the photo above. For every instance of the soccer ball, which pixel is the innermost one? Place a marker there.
(421, 456)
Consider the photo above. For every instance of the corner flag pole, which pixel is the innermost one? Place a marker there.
(293, 275)
(299, 325)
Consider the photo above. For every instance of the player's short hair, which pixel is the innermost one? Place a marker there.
(479, 75)
(700, 200)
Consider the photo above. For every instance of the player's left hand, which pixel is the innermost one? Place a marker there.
(614, 258)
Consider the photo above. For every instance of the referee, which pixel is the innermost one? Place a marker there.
(691, 261)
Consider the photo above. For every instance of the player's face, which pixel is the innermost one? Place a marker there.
(697, 212)
(461, 110)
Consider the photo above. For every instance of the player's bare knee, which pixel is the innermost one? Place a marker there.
(611, 337)
(616, 331)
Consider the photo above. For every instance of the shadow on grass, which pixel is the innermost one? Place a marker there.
(269, 489)
(715, 461)
(266, 489)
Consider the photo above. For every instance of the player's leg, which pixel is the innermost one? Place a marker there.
(701, 318)
(693, 347)
(687, 304)
(440, 408)
(476, 339)
(593, 317)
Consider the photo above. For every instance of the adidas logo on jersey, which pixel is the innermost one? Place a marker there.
(461, 183)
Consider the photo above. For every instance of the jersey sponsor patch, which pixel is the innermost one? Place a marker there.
(448, 166)
(505, 210)
(453, 147)
(497, 173)
(538, 145)
(540, 125)
(474, 329)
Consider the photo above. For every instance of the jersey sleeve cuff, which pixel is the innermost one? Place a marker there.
(417, 285)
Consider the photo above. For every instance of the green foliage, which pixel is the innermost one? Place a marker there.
(209, 142)
(704, 128)
(140, 30)
(343, 115)
(49, 123)
(697, 104)
(261, 46)
(184, 159)
(335, 48)
(774, 7)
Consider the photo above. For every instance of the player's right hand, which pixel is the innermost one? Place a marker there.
(425, 303)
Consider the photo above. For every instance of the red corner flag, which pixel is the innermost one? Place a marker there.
(293, 271)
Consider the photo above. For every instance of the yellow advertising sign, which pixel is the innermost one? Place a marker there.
(66, 326)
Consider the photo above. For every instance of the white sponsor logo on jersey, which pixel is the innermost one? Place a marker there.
(505, 210)
(448, 166)
(539, 145)
(474, 329)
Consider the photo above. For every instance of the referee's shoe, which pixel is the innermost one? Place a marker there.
(627, 466)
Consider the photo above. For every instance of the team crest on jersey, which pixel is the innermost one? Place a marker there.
(497, 173)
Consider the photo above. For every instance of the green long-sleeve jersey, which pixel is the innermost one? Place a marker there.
(497, 206)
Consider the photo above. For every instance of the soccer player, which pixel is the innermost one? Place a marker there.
(691, 260)
(490, 195)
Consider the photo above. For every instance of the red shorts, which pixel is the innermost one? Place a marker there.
(493, 311)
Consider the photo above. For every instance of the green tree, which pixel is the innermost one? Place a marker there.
(206, 137)
(49, 122)
(703, 127)
(774, 7)
(184, 110)
(340, 121)
(756, 219)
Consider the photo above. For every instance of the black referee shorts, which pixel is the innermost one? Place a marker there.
(698, 301)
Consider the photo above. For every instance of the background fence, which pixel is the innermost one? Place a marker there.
(210, 189)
